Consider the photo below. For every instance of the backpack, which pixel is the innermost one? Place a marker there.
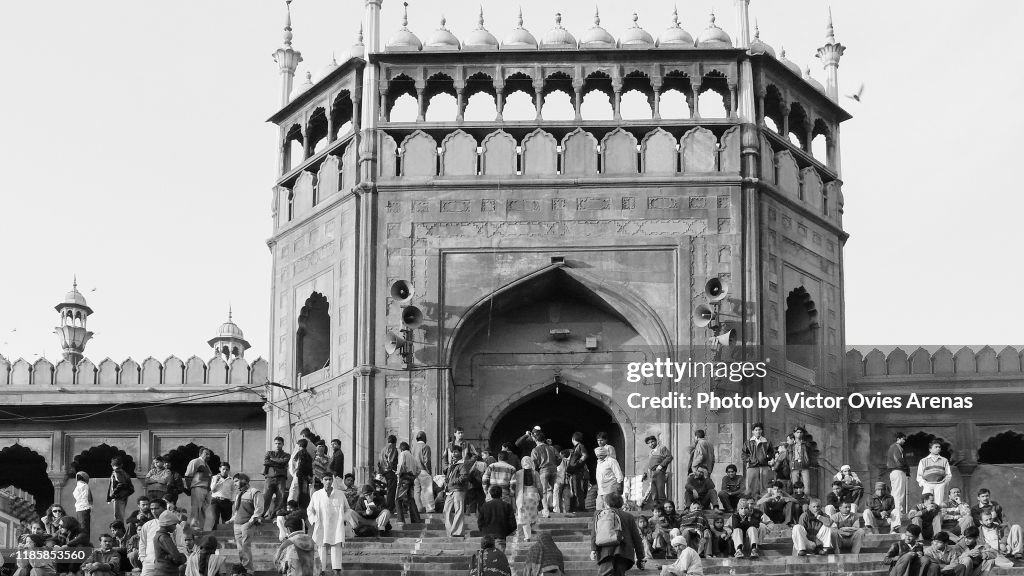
(608, 531)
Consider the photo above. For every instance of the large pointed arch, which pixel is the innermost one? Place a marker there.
(24, 468)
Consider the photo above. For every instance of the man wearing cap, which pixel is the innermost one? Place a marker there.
(245, 513)
(880, 509)
(940, 559)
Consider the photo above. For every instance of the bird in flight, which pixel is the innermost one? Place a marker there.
(858, 94)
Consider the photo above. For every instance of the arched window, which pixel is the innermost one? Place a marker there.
(1004, 448)
(801, 328)
(918, 446)
(313, 339)
(96, 462)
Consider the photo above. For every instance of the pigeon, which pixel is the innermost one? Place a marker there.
(857, 96)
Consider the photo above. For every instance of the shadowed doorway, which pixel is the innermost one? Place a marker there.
(560, 410)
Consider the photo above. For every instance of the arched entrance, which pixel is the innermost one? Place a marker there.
(182, 455)
(560, 410)
(96, 462)
(23, 468)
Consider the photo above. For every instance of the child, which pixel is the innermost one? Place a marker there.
(721, 539)
(104, 561)
(83, 502)
(647, 534)
(659, 533)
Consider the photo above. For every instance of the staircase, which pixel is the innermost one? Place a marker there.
(425, 550)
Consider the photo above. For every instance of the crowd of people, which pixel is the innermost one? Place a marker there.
(316, 505)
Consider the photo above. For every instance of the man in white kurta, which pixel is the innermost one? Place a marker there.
(327, 510)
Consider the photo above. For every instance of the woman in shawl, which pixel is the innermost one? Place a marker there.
(489, 560)
(206, 562)
(524, 485)
(53, 515)
(544, 558)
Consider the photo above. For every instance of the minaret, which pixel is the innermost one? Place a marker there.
(72, 330)
(370, 35)
(229, 343)
(830, 54)
(746, 111)
(287, 57)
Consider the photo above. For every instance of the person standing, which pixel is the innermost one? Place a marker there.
(701, 452)
(337, 465)
(497, 518)
(166, 557)
(527, 442)
(467, 450)
(934, 474)
(328, 508)
(424, 492)
(119, 489)
(321, 463)
(800, 459)
(455, 492)
(147, 554)
(545, 459)
(300, 466)
(578, 473)
(197, 482)
(657, 464)
(525, 486)
(609, 475)
(387, 467)
(896, 463)
(83, 503)
(158, 480)
(618, 556)
(245, 514)
(222, 494)
(296, 555)
(757, 452)
(275, 470)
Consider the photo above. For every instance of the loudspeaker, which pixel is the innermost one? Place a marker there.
(703, 315)
(727, 338)
(412, 316)
(394, 343)
(716, 290)
(402, 290)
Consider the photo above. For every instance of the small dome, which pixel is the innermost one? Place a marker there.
(519, 38)
(597, 37)
(759, 47)
(326, 70)
(558, 37)
(75, 297)
(301, 88)
(404, 40)
(230, 330)
(480, 39)
(713, 36)
(635, 36)
(788, 63)
(810, 80)
(442, 39)
(675, 36)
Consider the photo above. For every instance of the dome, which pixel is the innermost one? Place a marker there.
(520, 38)
(674, 36)
(558, 38)
(230, 330)
(713, 36)
(788, 63)
(75, 297)
(480, 39)
(442, 39)
(635, 36)
(326, 70)
(404, 40)
(597, 37)
(301, 88)
(759, 47)
(810, 80)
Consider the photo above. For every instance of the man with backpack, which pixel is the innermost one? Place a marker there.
(615, 542)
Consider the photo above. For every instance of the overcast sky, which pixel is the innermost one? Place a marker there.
(136, 156)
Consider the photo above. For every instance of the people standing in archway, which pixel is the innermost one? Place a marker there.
(545, 459)
(934, 474)
(424, 492)
(120, 488)
(701, 452)
(602, 442)
(525, 487)
(757, 452)
(197, 481)
(896, 462)
(609, 474)
(528, 441)
(579, 473)
(657, 464)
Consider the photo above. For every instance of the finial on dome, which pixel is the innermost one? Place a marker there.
(288, 23)
(597, 16)
(830, 33)
(480, 21)
(74, 281)
(359, 38)
(757, 29)
(558, 19)
(309, 77)
(405, 14)
(635, 19)
(782, 51)
(711, 22)
(675, 16)
(443, 22)
(229, 312)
